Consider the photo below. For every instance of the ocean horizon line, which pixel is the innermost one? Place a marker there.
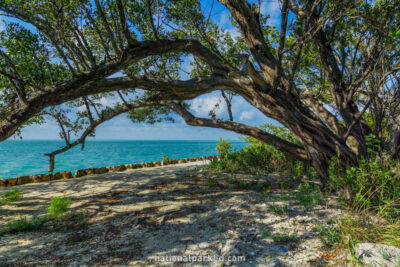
(26, 157)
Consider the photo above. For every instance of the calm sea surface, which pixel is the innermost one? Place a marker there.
(26, 157)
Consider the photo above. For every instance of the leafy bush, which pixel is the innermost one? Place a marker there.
(329, 236)
(23, 224)
(166, 159)
(58, 206)
(11, 196)
(374, 184)
(309, 195)
(258, 157)
(224, 148)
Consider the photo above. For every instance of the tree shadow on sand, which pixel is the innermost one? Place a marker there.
(134, 217)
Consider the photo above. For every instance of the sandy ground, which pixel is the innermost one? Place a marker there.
(140, 216)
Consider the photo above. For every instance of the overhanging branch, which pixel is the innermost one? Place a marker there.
(295, 150)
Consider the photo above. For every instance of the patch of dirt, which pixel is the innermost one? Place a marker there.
(137, 217)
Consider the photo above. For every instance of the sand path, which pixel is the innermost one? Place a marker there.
(138, 215)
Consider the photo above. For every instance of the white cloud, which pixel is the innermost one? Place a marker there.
(223, 19)
(106, 101)
(187, 67)
(246, 115)
(202, 105)
(272, 8)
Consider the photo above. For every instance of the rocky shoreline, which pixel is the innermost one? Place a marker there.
(20, 180)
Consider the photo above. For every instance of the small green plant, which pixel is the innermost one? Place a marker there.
(351, 245)
(329, 236)
(285, 237)
(11, 196)
(274, 208)
(82, 223)
(23, 224)
(309, 195)
(166, 159)
(224, 148)
(249, 185)
(263, 196)
(285, 196)
(212, 183)
(58, 206)
(285, 209)
(385, 255)
(279, 210)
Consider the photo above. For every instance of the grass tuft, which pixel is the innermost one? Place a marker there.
(58, 206)
(23, 224)
(11, 196)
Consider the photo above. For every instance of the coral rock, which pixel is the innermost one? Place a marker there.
(80, 173)
(62, 175)
(24, 180)
(100, 170)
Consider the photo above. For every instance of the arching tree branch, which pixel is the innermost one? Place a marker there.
(295, 150)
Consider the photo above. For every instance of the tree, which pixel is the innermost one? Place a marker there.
(329, 73)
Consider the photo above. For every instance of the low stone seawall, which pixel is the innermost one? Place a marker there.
(83, 172)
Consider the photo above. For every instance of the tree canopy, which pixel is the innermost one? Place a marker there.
(329, 72)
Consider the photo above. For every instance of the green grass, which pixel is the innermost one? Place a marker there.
(58, 206)
(287, 236)
(11, 196)
(23, 224)
(279, 210)
(308, 195)
(372, 198)
(250, 185)
(364, 229)
(329, 236)
(58, 210)
(213, 183)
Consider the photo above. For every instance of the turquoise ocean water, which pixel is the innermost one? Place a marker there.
(26, 157)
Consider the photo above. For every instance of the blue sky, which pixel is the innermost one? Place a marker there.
(121, 128)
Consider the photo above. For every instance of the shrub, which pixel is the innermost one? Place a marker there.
(82, 223)
(58, 206)
(329, 236)
(258, 157)
(166, 159)
(224, 148)
(374, 184)
(11, 196)
(23, 224)
(309, 195)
